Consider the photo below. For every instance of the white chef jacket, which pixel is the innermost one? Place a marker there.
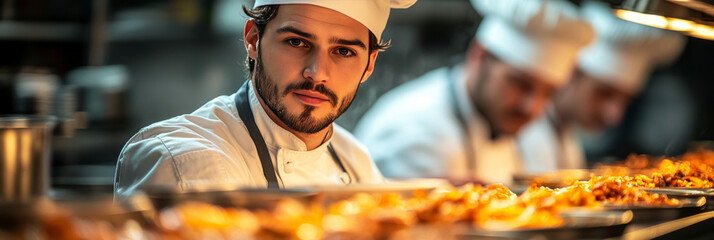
(544, 149)
(412, 131)
(212, 149)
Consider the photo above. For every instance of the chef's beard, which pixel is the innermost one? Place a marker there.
(304, 122)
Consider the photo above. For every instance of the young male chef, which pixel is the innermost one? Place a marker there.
(610, 72)
(306, 60)
(458, 122)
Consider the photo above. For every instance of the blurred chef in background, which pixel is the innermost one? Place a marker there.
(306, 60)
(610, 72)
(458, 122)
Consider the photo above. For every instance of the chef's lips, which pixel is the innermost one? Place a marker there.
(307, 85)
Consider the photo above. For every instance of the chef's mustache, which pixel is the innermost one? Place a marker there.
(308, 85)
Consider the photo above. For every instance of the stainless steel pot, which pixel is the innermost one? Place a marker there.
(25, 157)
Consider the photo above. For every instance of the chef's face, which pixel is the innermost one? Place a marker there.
(309, 63)
(510, 97)
(596, 105)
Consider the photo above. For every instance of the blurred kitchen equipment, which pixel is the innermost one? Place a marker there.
(25, 147)
(581, 224)
(66, 110)
(35, 91)
(7, 91)
(102, 91)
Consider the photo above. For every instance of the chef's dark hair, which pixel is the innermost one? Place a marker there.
(263, 14)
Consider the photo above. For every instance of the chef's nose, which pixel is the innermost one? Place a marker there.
(533, 104)
(612, 114)
(316, 68)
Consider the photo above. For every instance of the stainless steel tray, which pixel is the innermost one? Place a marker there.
(579, 225)
(687, 193)
(245, 198)
(19, 215)
(657, 213)
(556, 179)
(266, 198)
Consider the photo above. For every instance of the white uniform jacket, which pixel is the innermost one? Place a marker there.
(413, 131)
(211, 148)
(543, 149)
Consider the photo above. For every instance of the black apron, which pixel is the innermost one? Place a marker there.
(246, 114)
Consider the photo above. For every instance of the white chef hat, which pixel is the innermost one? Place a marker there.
(373, 14)
(624, 53)
(541, 36)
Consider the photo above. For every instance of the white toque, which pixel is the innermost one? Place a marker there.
(625, 53)
(540, 36)
(373, 14)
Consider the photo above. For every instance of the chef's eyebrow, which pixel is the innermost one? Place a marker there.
(355, 42)
(334, 40)
(290, 29)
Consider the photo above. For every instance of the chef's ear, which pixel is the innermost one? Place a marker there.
(370, 67)
(250, 38)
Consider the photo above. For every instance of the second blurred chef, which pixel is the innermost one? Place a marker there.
(458, 122)
(610, 72)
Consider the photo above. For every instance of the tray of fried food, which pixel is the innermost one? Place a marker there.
(694, 170)
(442, 213)
(560, 178)
(625, 193)
(95, 217)
(682, 174)
(562, 213)
(362, 216)
(250, 198)
(404, 187)
(689, 178)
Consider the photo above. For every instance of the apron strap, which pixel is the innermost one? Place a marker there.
(468, 144)
(352, 177)
(246, 114)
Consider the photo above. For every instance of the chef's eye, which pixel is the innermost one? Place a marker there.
(296, 42)
(345, 52)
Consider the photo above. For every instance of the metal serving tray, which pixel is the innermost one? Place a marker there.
(686, 193)
(244, 198)
(643, 213)
(579, 225)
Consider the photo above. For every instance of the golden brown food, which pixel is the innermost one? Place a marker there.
(624, 191)
(691, 170)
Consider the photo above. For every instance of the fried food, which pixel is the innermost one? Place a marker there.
(625, 191)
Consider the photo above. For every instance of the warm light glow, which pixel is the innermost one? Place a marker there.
(675, 24)
(335, 223)
(681, 25)
(703, 31)
(10, 149)
(641, 18)
(25, 163)
(308, 231)
(349, 208)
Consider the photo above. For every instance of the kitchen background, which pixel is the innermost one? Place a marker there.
(107, 68)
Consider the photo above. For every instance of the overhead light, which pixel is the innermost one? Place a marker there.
(690, 17)
(703, 31)
(642, 18)
(680, 24)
